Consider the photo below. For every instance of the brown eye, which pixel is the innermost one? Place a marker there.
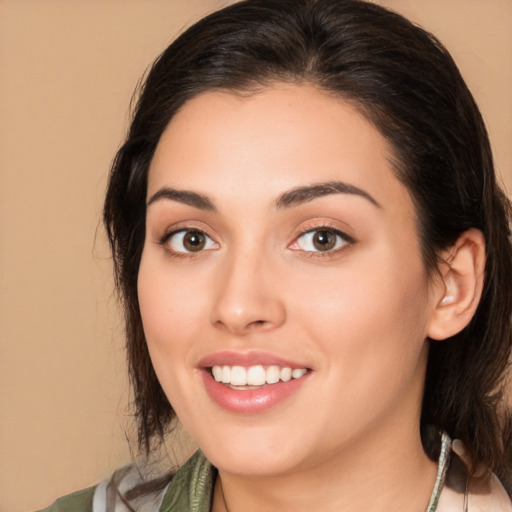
(324, 240)
(321, 240)
(194, 241)
(190, 241)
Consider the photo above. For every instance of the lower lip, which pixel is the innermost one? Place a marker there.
(250, 401)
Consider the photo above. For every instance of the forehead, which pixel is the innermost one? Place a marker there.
(266, 142)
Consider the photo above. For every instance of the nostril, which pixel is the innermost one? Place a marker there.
(257, 324)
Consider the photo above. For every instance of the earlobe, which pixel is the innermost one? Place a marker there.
(459, 288)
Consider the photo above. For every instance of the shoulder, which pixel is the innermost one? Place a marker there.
(490, 497)
(80, 501)
(486, 495)
(189, 490)
(192, 487)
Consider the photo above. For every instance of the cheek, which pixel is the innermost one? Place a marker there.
(171, 307)
(371, 314)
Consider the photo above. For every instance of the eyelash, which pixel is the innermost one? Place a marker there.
(346, 241)
(164, 241)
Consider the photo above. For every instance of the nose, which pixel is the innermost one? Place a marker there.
(247, 296)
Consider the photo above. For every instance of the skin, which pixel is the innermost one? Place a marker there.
(357, 316)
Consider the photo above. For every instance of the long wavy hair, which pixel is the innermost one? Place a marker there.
(404, 81)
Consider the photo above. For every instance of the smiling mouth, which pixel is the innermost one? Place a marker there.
(254, 377)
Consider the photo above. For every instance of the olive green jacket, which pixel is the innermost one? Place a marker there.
(191, 490)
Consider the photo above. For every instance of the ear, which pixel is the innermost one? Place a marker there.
(459, 287)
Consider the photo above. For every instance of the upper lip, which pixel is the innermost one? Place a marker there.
(247, 359)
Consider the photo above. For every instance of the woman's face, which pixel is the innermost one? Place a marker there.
(282, 249)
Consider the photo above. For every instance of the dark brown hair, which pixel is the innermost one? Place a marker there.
(404, 81)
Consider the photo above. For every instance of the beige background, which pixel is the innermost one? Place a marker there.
(67, 69)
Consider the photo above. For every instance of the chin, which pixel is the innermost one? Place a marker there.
(248, 463)
(254, 451)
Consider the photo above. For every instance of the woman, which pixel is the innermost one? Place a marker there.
(315, 264)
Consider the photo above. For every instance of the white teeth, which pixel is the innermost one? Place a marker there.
(273, 374)
(226, 375)
(298, 373)
(286, 374)
(217, 373)
(255, 375)
(238, 376)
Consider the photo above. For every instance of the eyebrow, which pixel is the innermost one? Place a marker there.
(301, 195)
(183, 196)
(293, 197)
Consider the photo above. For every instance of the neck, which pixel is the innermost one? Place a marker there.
(385, 471)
